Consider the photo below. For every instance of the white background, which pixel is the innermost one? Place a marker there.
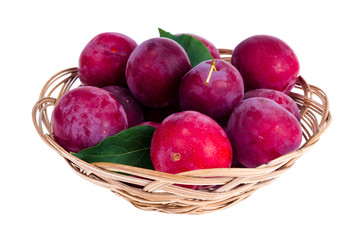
(42, 198)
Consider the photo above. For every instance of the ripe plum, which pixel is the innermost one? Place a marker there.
(86, 115)
(154, 71)
(188, 141)
(103, 60)
(260, 130)
(266, 62)
(216, 96)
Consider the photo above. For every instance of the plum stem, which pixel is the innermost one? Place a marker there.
(213, 68)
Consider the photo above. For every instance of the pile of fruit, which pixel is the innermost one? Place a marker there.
(172, 104)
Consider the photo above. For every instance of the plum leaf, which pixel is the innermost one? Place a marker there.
(195, 49)
(129, 147)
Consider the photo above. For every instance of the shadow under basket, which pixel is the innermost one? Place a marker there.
(158, 191)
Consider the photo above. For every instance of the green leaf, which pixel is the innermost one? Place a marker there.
(129, 147)
(195, 49)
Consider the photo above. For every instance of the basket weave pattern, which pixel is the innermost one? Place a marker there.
(152, 190)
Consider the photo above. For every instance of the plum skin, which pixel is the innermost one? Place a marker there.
(187, 141)
(131, 106)
(216, 99)
(154, 71)
(266, 62)
(281, 98)
(103, 60)
(86, 115)
(260, 130)
(211, 47)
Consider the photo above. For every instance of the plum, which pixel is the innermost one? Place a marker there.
(211, 47)
(103, 60)
(215, 96)
(190, 140)
(154, 71)
(260, 130)
(132, 107)
(86, 115)
(281, 98)
(266, 62)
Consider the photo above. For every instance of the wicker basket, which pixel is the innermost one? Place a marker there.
(152, 190)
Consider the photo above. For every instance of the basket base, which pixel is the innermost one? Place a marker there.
(191, 206)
